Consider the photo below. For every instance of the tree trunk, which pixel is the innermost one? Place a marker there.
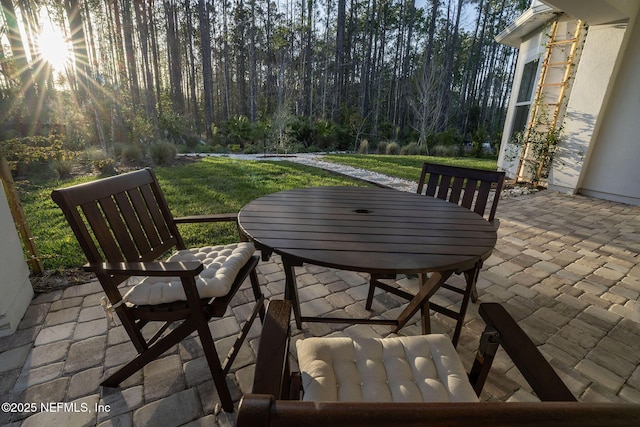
(155, 52)
(23, 70)
(121, 65)
(253, 73)
(174, 56)
(127, 26)
(143, 34)
(338, 77)
(207, 72)
(195, 110)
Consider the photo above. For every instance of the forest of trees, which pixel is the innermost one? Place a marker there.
(322, 74)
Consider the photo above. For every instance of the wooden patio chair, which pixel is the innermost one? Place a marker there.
(407, 381)
(469, 188)
(124, 225)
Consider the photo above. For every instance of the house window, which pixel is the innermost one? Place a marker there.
(525, 94)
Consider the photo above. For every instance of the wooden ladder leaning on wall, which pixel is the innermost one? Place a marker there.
(19, 217)
(538, 116)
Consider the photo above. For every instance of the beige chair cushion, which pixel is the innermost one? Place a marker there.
(423, 368)
(221, 266)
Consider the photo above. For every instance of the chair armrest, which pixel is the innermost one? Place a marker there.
(225, 217)
(542, 378)
(272, 364)
(263, 410)
(162, 269)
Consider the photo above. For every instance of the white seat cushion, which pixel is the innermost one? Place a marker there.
(221, 266)
(423, 368)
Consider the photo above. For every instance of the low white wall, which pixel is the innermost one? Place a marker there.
(15, 286)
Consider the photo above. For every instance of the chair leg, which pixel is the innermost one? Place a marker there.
(257, 293)
(291, 290)
(471, 277)
(489, 342)
(425, 318)
(152, 353)
(214, 362)
(372, 290)
(474, 294)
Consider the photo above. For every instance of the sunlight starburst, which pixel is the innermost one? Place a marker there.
(54, 48)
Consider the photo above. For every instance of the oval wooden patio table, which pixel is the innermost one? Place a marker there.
(374, 230)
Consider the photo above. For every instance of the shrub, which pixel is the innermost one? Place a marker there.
(235, 148)
(253, 149)
(175, 128)
(94, 153)
(74, 141)
(382, 147)
(238, 130)
(217, 148)
(21, 153)
(62, 167)
(163, 152)
(105, 166)
(142, 130)
(393, 149)
(325, 134)
(364, 147)
(100, 160)
(444, 150)
(412, 149)
(479, 137)
(130, 154)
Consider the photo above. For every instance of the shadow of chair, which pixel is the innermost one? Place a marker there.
(469, 188)
(408, 381)
(123, 225)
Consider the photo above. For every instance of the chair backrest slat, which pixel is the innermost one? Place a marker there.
(443, 187)
(482, 197)
(121, 218)
(470, 188)
(432, 184)
(154, 209)
(456, 189)
(102, 232)
(118, 227)
(469, 196)
(144, 216)
(132, 223)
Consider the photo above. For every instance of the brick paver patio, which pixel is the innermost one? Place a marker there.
(566, 267)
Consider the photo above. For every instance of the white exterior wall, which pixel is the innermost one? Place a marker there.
(600, 148)
(15, 286)
(611, 168)
(585, 107)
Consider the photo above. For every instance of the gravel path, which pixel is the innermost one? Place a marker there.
(315, 159)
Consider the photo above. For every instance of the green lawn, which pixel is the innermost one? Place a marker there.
(211, 185)
(406, 167)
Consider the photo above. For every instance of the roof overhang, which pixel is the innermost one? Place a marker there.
(592, 12)
(532, 19)
(597, 12)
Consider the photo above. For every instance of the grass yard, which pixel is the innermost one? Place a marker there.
(211, 185)
(406, 167)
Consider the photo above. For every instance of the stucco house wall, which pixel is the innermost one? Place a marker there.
(600, 148)
(15, 286)
(612, 165)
